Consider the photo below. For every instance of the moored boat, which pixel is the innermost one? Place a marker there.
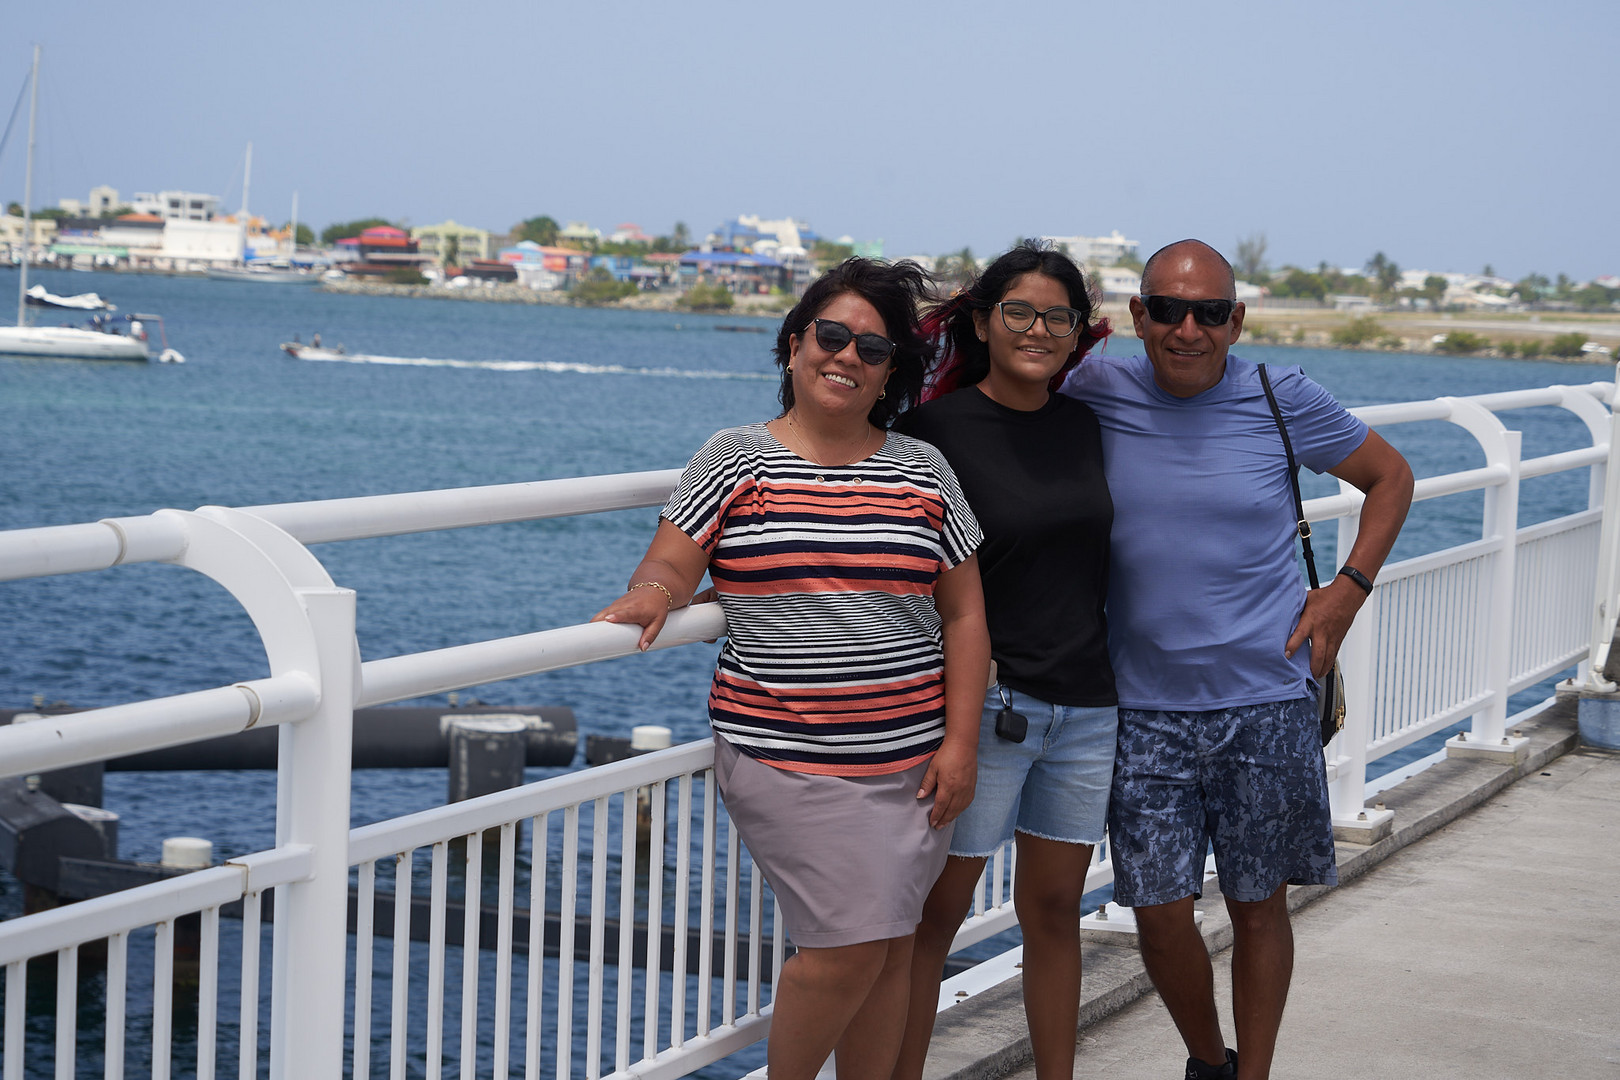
(265, 275)
(37, 296)
(103, 339)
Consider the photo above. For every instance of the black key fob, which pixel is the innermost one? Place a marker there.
(1012, 726)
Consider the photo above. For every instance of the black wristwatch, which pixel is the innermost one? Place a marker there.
(1358, 577)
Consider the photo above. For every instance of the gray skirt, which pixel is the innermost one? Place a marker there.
(851, 858)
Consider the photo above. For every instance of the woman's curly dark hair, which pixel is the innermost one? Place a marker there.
(963, 358)
(897, 290)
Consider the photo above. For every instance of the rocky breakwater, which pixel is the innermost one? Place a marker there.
(508, 293)
(496, 293)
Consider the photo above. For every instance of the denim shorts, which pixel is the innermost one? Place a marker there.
(1250, 780)
(1053, 785)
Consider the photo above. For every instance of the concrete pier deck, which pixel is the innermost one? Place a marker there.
(1482, 938)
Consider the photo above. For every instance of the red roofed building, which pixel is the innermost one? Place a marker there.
(380, 249)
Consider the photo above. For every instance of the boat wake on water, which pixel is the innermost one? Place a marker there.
(558, 366)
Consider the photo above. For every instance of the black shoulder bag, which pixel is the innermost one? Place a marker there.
(1332, 700)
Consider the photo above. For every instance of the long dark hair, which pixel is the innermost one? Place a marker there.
(963, 358)
(897, 291)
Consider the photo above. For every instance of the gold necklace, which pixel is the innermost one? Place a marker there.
(810, 455)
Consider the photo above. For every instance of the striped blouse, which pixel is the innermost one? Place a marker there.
(834, 661)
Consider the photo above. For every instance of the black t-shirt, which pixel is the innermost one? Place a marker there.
(1035, 482)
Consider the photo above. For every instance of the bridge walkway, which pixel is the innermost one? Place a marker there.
(1481, 939)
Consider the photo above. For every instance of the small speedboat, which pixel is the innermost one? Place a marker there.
(300, 351)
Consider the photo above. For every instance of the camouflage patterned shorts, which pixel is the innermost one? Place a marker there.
(1249, 779)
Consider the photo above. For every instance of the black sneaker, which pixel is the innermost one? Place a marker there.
(1198, 1069)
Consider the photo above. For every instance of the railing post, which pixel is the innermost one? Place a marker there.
(308, 989)
(1488, 734)
(1604, 600)
(1349, 750)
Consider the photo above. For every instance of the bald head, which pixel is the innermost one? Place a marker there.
(1186, 256)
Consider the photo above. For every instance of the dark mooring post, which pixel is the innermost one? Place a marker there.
(486, 755)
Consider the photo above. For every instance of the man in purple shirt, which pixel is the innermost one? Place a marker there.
(1215, 643)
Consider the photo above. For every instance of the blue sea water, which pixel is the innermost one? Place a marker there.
(503, 393)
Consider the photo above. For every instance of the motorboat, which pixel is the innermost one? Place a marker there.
(37, 296)
(299, 351)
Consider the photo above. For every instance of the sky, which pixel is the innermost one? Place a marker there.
(1449, 135)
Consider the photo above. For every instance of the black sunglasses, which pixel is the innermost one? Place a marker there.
(1020, 317)
(834, 336)
(1173, 309)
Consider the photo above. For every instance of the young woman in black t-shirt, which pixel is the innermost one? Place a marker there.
(1030, 463)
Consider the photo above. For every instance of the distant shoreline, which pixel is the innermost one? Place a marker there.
(1309, 328)
(1413, 332)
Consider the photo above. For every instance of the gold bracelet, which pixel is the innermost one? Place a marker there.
(669, 597)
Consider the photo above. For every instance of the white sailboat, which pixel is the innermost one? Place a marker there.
(64, 342)
(261, 273)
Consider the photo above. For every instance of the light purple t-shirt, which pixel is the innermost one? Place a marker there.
(1205, 585)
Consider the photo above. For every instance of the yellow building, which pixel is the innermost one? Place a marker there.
(435, 240)
(42, 231)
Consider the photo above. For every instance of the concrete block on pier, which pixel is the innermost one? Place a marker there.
(1368, 826)
(1509, 750)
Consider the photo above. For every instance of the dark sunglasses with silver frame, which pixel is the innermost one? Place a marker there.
(833, 336)
(1173, 309)
(1020, 317)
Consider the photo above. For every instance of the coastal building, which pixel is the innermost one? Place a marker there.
(665, 264)
(737, 271)
(434, 241)
(579, 234)
(621, 267)
(628, 232)
(545, 268)
(139, 235)
(41, 231)
(98, 241)
(778, 238)
(380, 250)
(102, 202)
(1095, 251)
(176, 205)
(187, 242)
(1116, 282)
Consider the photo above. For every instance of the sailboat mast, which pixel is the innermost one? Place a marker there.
(28, 195)
(247, 179)
(292, 242)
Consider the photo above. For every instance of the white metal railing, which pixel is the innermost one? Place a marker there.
(1445, 636)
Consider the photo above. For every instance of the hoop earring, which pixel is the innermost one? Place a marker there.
(883, 394)
(790, 369)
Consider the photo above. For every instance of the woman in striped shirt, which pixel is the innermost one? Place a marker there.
(845, 701)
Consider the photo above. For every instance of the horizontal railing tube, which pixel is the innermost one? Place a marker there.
(58, 740)
(458, 508)
(397, 678)
(76, 549)
(121, 912)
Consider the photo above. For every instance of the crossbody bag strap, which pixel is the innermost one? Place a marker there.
(1303, 526)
